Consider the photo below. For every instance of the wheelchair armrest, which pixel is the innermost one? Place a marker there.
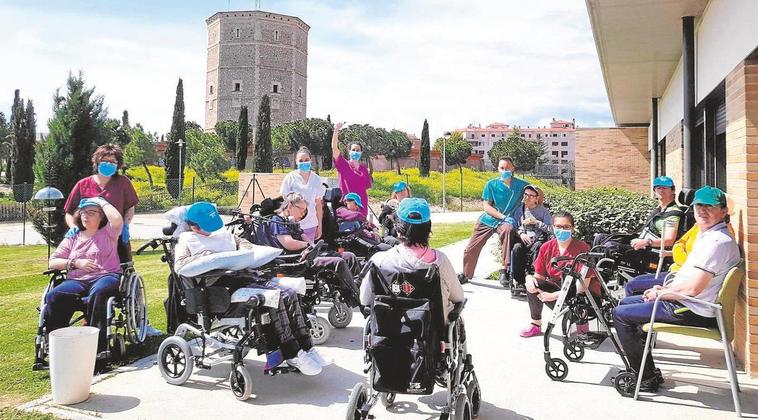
(53, 271)
(456, 312)
(365, 311)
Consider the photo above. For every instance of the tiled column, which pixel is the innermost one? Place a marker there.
(742, 187)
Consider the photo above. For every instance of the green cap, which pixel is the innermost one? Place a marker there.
(709, 196)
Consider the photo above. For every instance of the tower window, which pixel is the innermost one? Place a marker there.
(211, 89)
(275, 88)
(237, 32)
(299, 92)
(237, 86)
(276, 35)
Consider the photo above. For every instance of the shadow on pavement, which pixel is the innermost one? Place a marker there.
(106, 403)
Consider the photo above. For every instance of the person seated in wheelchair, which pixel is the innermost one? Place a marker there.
(543, 288)
(388, 217)
(351, 212)
(534, 223)
(90, 258)
(701, 276)
(414, 253)
(666, 216)
(285, 234)
(207, 237)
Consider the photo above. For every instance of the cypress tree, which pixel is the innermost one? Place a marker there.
(243, 139)
(327, 146)
(263, 161)
(6, 147)
(178, 127)
(24, 134)
(123, 134)
(424, 159)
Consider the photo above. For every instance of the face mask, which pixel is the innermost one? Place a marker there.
(562, 235)
(304, 166)
(506, 175)
(107, 168)
(355, 155)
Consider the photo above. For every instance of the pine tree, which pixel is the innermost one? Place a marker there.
(243, 139)
(77, 128)
(263, 161)
(124, 131)
(424, 159)
(178, 127)
(327, 146)
(24, 133)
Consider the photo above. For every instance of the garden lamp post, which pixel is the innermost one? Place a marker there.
(444, 169)
(181, 144)
(49, 195)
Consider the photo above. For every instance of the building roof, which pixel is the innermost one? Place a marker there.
(639, 44)
(257, 13)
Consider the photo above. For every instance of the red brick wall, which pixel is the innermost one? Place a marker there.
(616, 157)
(268, 186)
(675, 155)
(742, 174)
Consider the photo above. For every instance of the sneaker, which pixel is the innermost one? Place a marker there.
(462, 278)
(319, 358)
(305, 364)
(531, 331)
(582, 329)
(504, 279)
(650, 384)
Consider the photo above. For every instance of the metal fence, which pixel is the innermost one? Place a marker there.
(163, 197)
(12, 201)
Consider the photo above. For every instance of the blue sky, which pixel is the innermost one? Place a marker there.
(390, 63)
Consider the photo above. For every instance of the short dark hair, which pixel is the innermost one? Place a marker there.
(349, 146)
(108, 149)
(80, 225)
(507, 159)
(414, 234)
(564, 214)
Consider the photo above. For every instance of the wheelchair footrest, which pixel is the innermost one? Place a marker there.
(283, 368)
(40, 365)
(591, 339)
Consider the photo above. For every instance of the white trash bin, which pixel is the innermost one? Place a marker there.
(72, 361)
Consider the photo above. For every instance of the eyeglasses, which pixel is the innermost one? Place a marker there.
(564, 227)
(91, 213)
(304, 208)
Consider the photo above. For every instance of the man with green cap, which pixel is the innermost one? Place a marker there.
(714, 253)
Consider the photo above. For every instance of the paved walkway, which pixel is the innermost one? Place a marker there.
(510, 370)
(148, 225)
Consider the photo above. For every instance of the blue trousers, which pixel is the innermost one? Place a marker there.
(639, 284)
(633, 312)
(67, 297)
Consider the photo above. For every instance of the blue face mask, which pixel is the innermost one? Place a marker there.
(304, 166)
(562, 235)
(107, 168)
(355, 155)
(506, 175)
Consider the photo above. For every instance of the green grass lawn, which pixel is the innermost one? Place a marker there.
(21, 284)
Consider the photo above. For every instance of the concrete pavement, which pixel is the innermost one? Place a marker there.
(510, 370)
(148, 226)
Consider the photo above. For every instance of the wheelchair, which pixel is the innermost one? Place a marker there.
(520, 250)
(574, 308)
(621, 263)
(126, 314)
(408, 348)
(322, 284)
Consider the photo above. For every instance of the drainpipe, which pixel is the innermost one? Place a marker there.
(688, 67)
(654, 149)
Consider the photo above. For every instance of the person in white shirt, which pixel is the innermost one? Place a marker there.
(304, 181)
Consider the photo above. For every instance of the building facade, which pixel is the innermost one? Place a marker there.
(685, 74)
(252, 54)
(559, 139)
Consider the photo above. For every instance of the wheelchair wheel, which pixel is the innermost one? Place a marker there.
(40, 352)
(358, 397)
(556, 369)
(625, 383)
(387, 398)
(474, 395)
(241, 382)
(175, 360)
(118, 347)
(573, 352)
(340, 315)
(320, 330)
(136, 310)
(462, 408)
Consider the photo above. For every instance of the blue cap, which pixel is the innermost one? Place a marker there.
(709, 196)
(663, 181)
(205, 215)
(86, 202)
(399, 186)
(355, 197)
(417, 207)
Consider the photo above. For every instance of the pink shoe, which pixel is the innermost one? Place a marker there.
(582, 329)
(531, 331)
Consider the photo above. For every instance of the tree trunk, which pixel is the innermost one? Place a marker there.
(149, 175)
(397, 160)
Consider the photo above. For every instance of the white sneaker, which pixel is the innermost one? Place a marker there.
(319, 358)
(305, 364)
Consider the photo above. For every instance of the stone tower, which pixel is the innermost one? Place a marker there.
(251, 54)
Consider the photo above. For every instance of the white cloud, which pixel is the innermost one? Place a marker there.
(451, 62)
